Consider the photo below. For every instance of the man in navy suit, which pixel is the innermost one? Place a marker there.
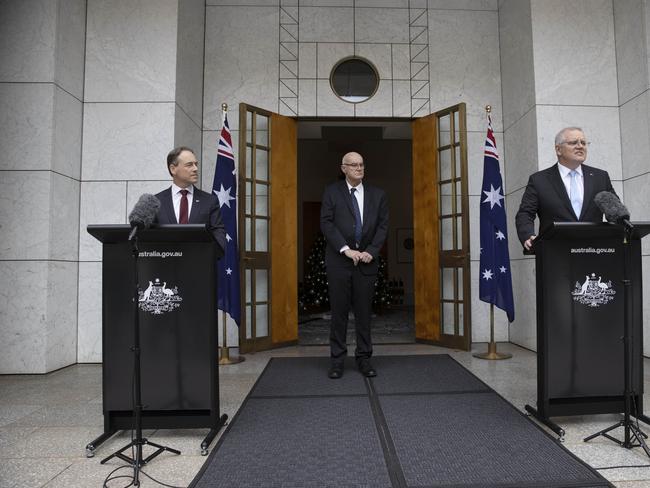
(354, 220)
(565, 191)
(183, 203)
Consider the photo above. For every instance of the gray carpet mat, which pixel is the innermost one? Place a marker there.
(424, 421)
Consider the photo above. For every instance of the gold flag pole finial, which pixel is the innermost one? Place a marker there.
(488, 109)
(224, 107)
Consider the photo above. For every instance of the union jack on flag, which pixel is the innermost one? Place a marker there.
(495, 285)
(225, 188)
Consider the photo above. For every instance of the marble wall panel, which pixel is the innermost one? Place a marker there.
(481, 314)
(523, 331)
(516, 53)
(63, 211)
(189, 58)
(186, 133)
(127, 141)
(464, 4)
(248, 3)
(401, 98)
(601, 126)
(631, 48)
(379, 55)
(474, 228)
(381, 25)
(66, 137)
(89, 331)
(70, 46)
(241, 61)
(307, 60)
(637, 200)
(135, 189)
(329, 54)
(328, 104)
(23, 197)
(61, 331)
(26, 121)
(401, 64)
(520, 151)
(129, 46)
(466, 68)
(326, 24)
(307, 97)
(382, 3)
(584, 74)
(102, 202)
(635, 135)
(380, 104)
(27, 40)
(23, 316)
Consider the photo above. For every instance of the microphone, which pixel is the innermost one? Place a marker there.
(614, 210)
(143, 213)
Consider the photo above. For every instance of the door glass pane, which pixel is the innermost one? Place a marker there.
(261, 200)
(445, 164)
(443, 131)
(448, 318)
(446, 204)
(446, 189)
(459, 277)
(261, 321)
(248, 286)
(446, 237)
(261, 235)
(461, 328)
(459, 232)
(249, 165)
(261, 285)
(249, 127)
(448, 283)
(249, 197)
(249, 323)
(459, 162)
(247, 244)
(262, 164)
(456, 125)
(262, 135)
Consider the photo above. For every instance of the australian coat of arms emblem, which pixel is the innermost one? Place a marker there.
(593, 291)
(157, 298)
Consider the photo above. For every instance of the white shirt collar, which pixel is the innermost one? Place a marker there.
(176, 189)
(564, 171)
(359, 187)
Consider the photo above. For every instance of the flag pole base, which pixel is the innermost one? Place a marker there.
(492, 353)
(226, 359)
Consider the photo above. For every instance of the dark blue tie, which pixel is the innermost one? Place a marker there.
(357, 217)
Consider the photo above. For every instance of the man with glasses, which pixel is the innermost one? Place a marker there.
(565, 191)
(354, 220)
(183, 203)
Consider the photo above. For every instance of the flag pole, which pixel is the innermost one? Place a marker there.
(225, 352)
(492, 346)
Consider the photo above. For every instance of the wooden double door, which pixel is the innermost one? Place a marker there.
(268, 228)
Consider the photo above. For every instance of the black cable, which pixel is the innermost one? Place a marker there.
(159, 482)
(109, 478)
(622, 467)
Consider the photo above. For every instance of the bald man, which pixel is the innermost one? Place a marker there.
(354, 220)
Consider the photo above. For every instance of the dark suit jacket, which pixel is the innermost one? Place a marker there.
(337, 224)
(546, 197)
(205, 210)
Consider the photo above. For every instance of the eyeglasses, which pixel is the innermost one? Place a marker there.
(575, 142)
(355, 165)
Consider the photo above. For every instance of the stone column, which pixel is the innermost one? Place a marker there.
(41, 93)
(144, 92)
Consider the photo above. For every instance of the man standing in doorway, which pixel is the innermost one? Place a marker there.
(565, 191)
(354, 220)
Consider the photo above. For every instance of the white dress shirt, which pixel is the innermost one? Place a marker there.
(176, 200)
(566, 179)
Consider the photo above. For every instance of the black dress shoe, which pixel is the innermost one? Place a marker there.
(335, 372)
(366, 368)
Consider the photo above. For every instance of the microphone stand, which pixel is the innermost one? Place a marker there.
(633, 436)
(138, 441)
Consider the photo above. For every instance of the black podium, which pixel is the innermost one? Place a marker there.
(580, 270)
(178, 329)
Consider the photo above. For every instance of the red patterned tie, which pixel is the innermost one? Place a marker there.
(182, 215)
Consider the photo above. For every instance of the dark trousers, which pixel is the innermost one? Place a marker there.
(349, 289)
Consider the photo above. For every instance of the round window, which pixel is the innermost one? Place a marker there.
(354, 80)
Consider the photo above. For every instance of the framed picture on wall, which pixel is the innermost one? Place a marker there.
(404, 244)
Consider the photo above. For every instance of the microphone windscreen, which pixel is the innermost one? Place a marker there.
(145, 210)
(611, 206)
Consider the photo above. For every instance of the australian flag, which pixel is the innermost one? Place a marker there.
(225, 188)
(495, 284)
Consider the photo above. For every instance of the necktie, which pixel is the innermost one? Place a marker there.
(574, 193)
(357, 217)
(182, 215)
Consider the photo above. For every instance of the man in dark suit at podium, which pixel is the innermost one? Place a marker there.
(354, 220)
(565, 191)
(183, 203)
